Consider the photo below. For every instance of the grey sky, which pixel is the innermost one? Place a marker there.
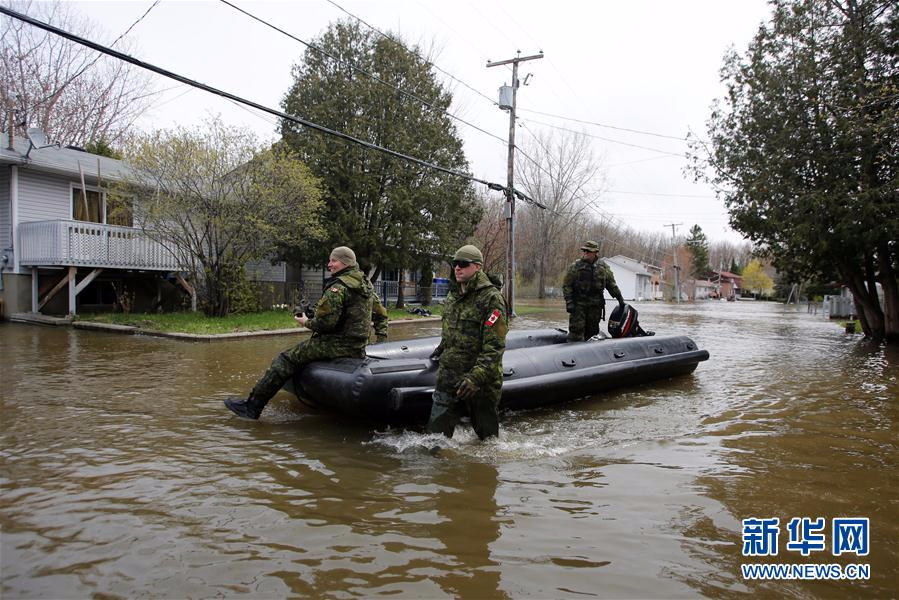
(648, 66)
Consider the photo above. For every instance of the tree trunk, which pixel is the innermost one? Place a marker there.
(870, 316)
(888, 280)
(541, 280)
(400, 293)
(425, 285)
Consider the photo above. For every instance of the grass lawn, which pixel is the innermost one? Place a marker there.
(198, 323)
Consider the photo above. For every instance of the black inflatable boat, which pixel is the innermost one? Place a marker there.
(396, 379)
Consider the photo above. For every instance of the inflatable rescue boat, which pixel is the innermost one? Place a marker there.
(396, 379)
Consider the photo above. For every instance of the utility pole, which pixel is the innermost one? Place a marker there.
(673, 227)
(510, 175)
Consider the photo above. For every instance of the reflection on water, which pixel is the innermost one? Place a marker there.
(123, 475)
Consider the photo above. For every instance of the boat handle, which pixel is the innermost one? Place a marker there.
(508, 372)
(658, 350)
(620, 353)
(569, 363)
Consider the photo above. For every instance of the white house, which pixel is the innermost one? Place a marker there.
(57, 231)
(631, 276)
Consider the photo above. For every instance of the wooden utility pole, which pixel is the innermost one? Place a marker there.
(673, 226)
(510, 179)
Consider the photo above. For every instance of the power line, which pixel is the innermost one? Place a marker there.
(360, 70)
(612, 219)
(638, 131)
(403, 46)
(661, 194)
(93, 62)
(608, 139)
(229, 96)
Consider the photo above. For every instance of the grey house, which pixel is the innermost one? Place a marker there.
(59, 232)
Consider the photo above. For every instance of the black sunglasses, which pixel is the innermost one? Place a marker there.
(462, 264)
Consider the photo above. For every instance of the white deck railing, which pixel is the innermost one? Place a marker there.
(83, 244)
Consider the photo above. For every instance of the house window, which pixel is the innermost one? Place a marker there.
(87, 206)
(119, 210)
(99, 207)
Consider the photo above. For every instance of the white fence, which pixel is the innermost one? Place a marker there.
(83, 244)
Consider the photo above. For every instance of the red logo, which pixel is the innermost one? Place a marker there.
(492, 318)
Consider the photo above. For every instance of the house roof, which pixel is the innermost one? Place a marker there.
(628, 263)
(61, 161)
(729, 275)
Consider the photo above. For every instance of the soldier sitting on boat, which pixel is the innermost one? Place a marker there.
(340, 328)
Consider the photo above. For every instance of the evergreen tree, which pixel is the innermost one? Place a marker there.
(390, 211)
(806, 147)
(698, 245)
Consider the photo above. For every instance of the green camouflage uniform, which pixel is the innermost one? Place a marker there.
(583, 289)
(341, 328)
(472, 343)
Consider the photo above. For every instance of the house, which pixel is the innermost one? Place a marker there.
(728, 284)
(632, 277)
(59, 230)
(704, 289)
(656, 281)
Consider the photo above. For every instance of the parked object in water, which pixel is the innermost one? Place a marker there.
(395, 381)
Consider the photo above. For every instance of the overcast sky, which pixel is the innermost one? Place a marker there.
(649, 66)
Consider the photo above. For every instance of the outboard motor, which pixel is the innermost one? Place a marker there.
(623, 323)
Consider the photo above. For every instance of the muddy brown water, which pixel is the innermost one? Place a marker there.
(123, 476)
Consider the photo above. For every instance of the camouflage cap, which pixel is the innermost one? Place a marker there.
(469, 253)
(344, 255)
(590, 246)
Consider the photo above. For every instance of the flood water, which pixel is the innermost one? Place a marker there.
(123, 475)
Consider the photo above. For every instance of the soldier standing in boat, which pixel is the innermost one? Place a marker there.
(470, 353)
(341, 327)
(583, 287)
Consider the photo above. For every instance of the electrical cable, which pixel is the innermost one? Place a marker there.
(660, 135)
(93, 62)
(598, 137)
(229, 96)
(361, 70)
(422, 58)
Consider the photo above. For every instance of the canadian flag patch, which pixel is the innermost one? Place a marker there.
(334, 289)
(492, 318)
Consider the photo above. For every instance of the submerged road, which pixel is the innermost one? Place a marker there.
(123, 475)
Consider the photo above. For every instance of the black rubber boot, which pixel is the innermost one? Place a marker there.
(248, 409)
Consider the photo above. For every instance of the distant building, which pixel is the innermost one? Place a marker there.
(632, 277)
(728, 284)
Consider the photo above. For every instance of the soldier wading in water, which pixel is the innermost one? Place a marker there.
(340, 328)
(583, 289)
(470, 353)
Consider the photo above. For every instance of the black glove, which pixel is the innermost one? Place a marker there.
(466, 389)
(569, 306)
(435, 357)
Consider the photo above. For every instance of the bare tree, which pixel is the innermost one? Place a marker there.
(490, 235)
(565, 177)
(72, 93)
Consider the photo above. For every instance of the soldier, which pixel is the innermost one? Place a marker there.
(583, 289)
(470, 353)
(341, 327)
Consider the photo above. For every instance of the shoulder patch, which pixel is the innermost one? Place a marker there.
(492, 318)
